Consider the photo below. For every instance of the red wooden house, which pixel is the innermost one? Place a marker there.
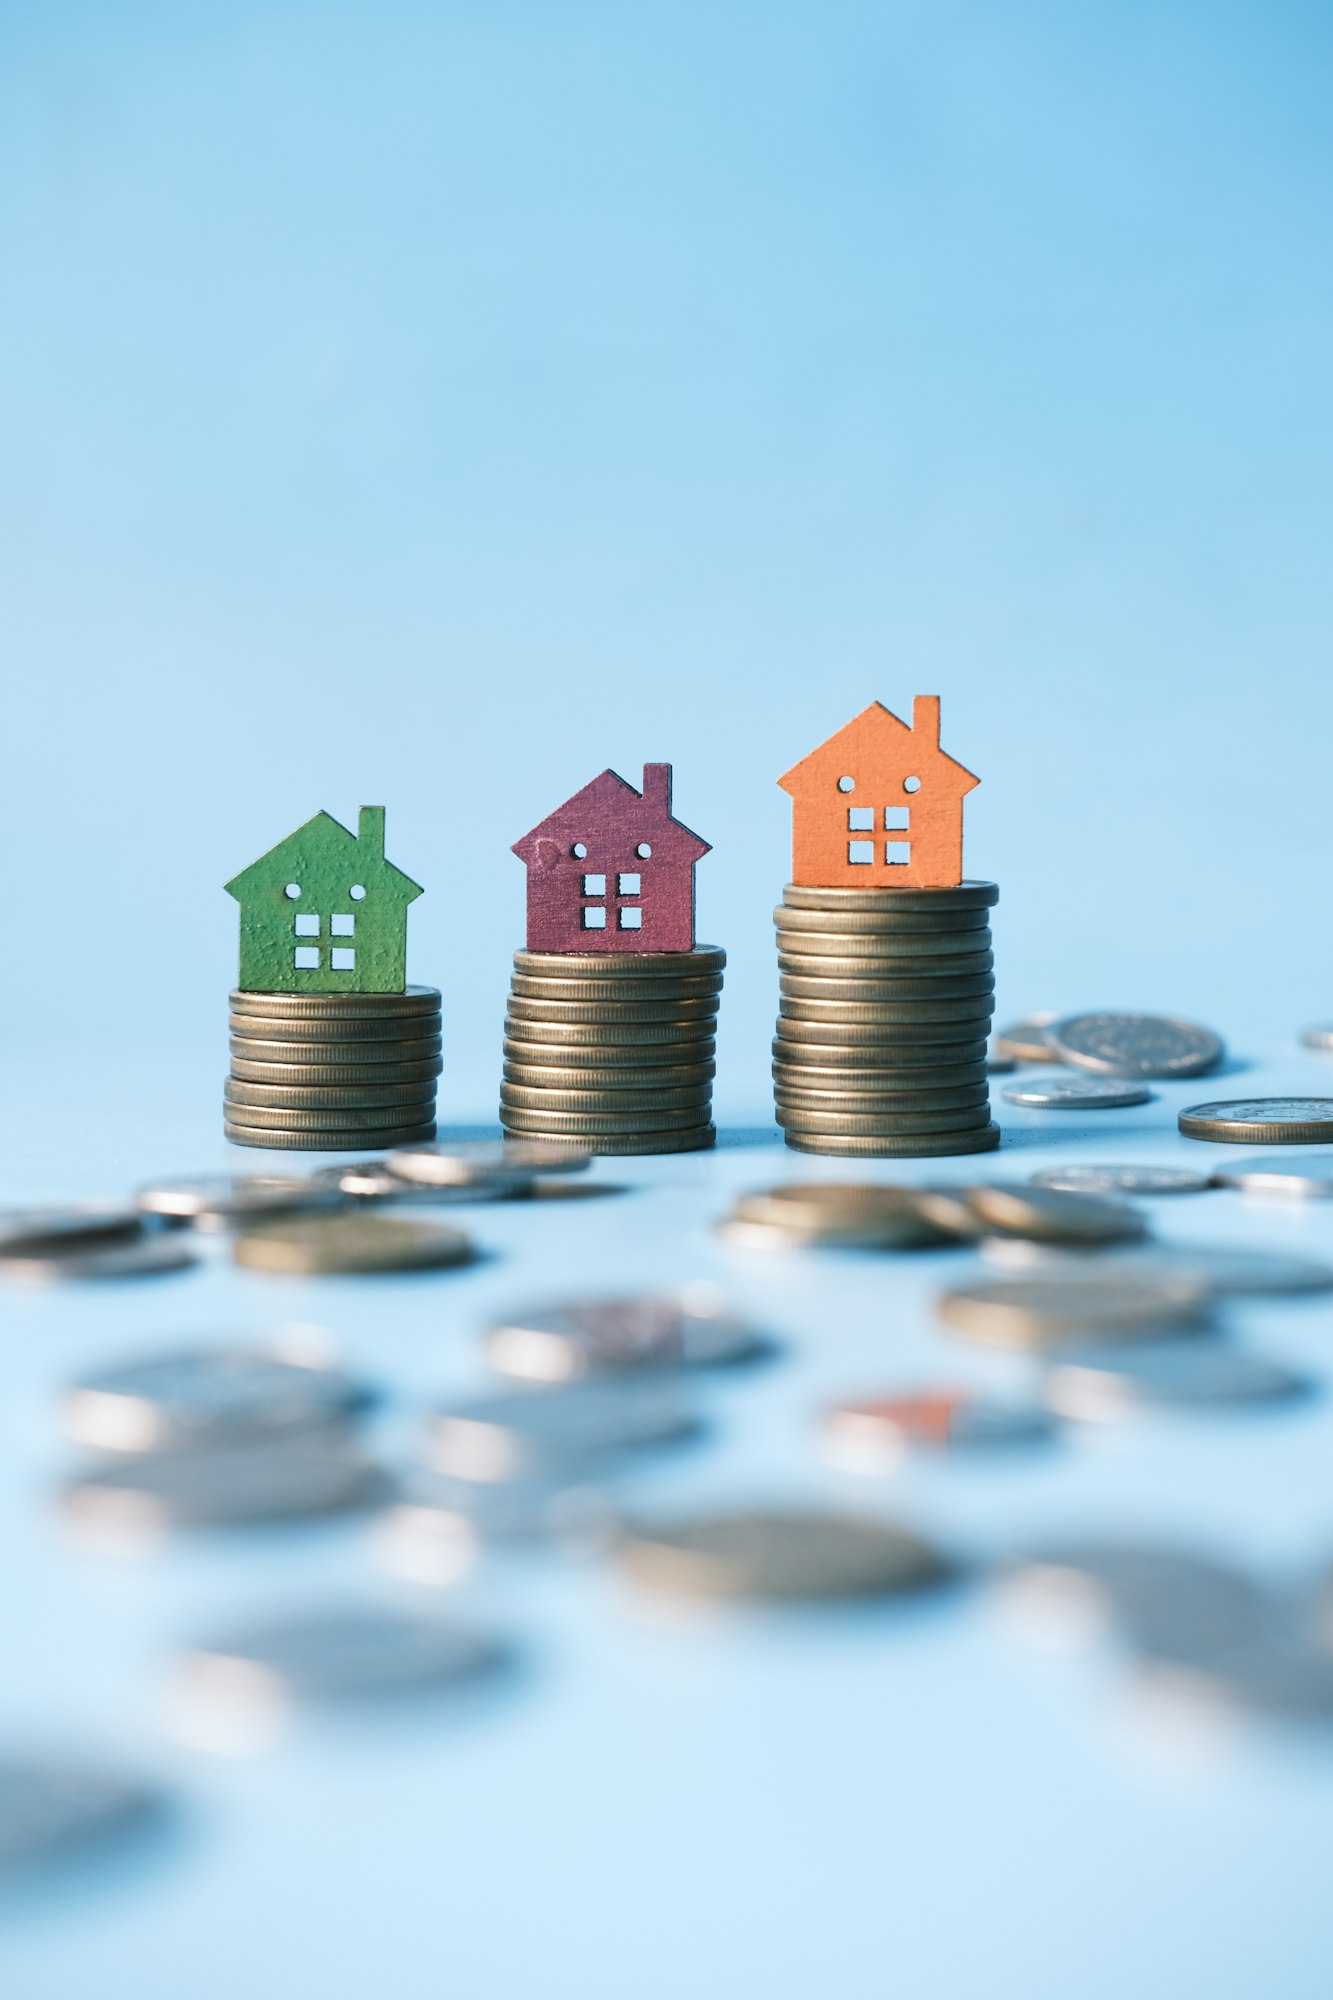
(611, 870)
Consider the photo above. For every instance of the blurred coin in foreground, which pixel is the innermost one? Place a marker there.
(76, 1226)
(1245, 1121)
(559, 1342)
(1056, 1306)
(439, 1524)
(339, 1654)
(371, 1181)
(1099, 1386)
(845, 1214)
(354, 1243)
(148, 1257)
(1074, 1093)
(1305, 1175)
(1225, 1271)
(1050, 1215)
(525, 1434)
(1142, 1045)
(465, 1163)
(205, 1396)
(1170, 1604)
(51, 1806)
(211, 1201)
(778, 1555)
(870, 1430)
(1118, 1179)
(236, 1486)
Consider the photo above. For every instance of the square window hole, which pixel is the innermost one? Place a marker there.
(897, 852)
(627, 885)
(594, 920)
(860, 850)
(306, 958)
(342, 961)
(897, 819)
(594, 885)
(861, 819)
(306, 926)
(630, 919)
(343, 926)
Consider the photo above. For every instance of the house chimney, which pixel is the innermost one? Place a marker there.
(657, 787)
(370, 830)
(926, 720)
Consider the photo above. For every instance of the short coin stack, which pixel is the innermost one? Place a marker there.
(333, 1072)
(613, 1049)
(885, 1008)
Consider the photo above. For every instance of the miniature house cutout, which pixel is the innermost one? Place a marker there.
(879, 805)
(324, 912)
(612, 870)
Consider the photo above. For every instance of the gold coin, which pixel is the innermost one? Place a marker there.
(923, 1146)
(944, 907)
(318, 1076)
(637, 990)
(412, 1000)
(626, 1034)
(349, 1242)
(702, 958)
(591, 1124)
(926, 972)
(877, 1124)
(879, 1037)
(326, 1142)
(778, 1556)
(523, 1098)
(285, 1097)
(695, 1140)
(253, 1048)
(611, 1010)
(340, 1029)
(793, 987)
(566, 1076)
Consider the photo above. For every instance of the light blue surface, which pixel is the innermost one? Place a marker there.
(430, 405)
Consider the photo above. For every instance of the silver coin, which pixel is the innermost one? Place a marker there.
(206, 1396)
(75, 1226)
(1050, 1215)
(1027, 1041)
(1300, 1174)
(942, 907)
(1142, 1045)
(149, 1257)
(338, 1654)
(213, 1200)
(560, 1342)
(1318, 1038)
(1073, 1093)
(411, 1000)
(534, 1433)
(1101, 1386)
(1059, 1305)
(467, 1163)
(1171, 1605)
(701, 959)
(438, 1525)
(1282, 1121)
(51, 1806)
(1117, 1179)
(1222, 1270)
(371, 1181)
(777, 1555)
(226, 1487)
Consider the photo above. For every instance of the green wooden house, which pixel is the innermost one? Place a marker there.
(324, 912)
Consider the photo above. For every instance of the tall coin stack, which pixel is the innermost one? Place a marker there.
(885, 1007)
(333, 1072)
(613, 1050)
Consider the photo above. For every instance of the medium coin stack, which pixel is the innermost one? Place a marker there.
(613, 1049)
(885, 1008)
(333, 1072)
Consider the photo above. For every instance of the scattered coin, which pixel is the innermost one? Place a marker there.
(1055, 1306)
(371, 1181)
(1100, 1386)
(235, 1486)
(1301, 1174)
(778, 1555)
(1117, 1179)
(1074, 1093)
(1172, 1605)
(1027, 1041)
(52, 1806)
(1050, 1215)
(149, 1257)
(206, 1396)
(1281, 1121)
(558, 1343)
(871, 1429)
(467, 1163)
(211, 1201)
(1142, 1045)
(354, 1243)
(846, 1215)
(1225, 1270)
(82, 1225)
(525, 1434)
(439, 1525)
(339, 1654)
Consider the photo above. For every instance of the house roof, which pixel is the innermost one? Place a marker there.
(328, 838)
(884, 730)
(610, 798)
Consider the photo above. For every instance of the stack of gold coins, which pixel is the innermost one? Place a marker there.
(613, 1049)
(333, 1072)
(885, 1008)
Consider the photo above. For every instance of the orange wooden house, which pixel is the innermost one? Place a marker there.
(879, 805)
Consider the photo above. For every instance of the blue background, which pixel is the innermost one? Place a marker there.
(430, 405)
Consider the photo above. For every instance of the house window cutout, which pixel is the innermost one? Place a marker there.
(594, 885)
(579, 851)
(594, 918)
(292, 891)
(644, 851)
(306, 958)
(897, 819)
(357, 892)
(911, 784)
(860, 850)
(897, 853)
(630, 918)
(860, 819)
(627, 885)
(306, 927)
(342, 926)
(846, 784)
(342, 960)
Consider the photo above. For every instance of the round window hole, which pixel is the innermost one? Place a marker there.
(579, 851)
(292, 891)
(644, 851)
(911, 784)
(846, 784)
(357, 891)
